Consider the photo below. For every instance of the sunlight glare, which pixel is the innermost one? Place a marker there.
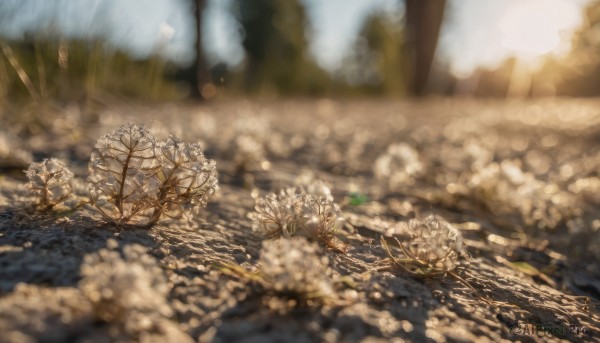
(534, 28)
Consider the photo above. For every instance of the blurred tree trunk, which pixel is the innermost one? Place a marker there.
(423, 23)
(202, 78)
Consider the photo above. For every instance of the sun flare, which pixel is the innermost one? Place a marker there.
(534, 28)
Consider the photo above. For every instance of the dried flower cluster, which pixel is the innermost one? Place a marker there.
(135, 180)
(122, 173)
(342, 150)
(400, 165)
(505, 188)
(310, 185)
(276, 213)
(294, 267)
(249, 154)
(187, 179)
(432, 249)
(589, 188)
(295, 212)
(456, 161)
(38, 313)
(50, 182)
(11, 156)
(129, 291)
(247, 141)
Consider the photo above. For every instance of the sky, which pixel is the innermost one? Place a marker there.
(470, 38)
(486, 32)
(135, 25)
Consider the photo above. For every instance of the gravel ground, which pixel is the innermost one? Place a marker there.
(520, 181)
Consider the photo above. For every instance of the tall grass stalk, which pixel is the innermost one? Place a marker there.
(12, 59)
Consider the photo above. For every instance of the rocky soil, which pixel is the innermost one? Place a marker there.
(520, 181)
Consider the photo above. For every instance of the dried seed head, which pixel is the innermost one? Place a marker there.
(310, 185)
(506, 189)
(588, 188)
(50, 182)
(319, 218)
(294, 267)
(275, 214)
(435, 241)
(122, 174)
(400, 165)
(134, 180)
(10, 155)
(129, 290)
(293, 212)
(187, 178)
(250, 153)
(432, 249)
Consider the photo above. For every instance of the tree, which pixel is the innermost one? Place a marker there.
(580, 70)
(201, 82)
(385, 42)
(277, 57)
(423, 22)
(395, 55)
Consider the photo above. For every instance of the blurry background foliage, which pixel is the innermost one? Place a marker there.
(392, 55)
(79, 70)
(277, 58)
(45, 64)
(378, 64)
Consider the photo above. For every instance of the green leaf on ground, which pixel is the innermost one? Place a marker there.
(357, 199)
